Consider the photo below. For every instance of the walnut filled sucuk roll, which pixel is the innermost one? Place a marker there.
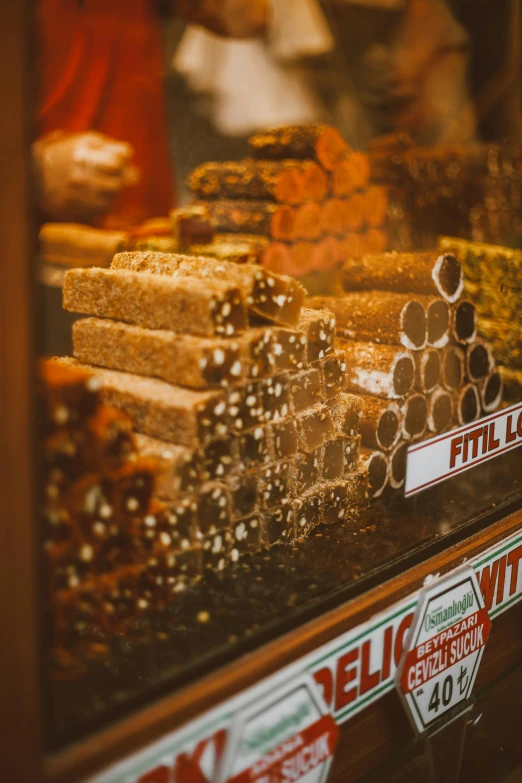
(379, 316)
(467, 404)
(464, 322)
(376, 463)
(308, 221)
(479, 360)
(421, 273)
(397, 461)
(491, 391)
(452, 367)
(273, 297)
(186, 360)
(353, 213)
(170, 413)
(286, 181)
(156, 302)
(380, 424)
(427, 370)
(438, 317)
(380, 370)
(332, 217)
(319, 142)
(415, 416)
(440, 410)
(376, 204)
(253, 217)
(352, 173)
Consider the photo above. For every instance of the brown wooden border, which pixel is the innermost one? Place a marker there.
(20, 755)
(142, 728)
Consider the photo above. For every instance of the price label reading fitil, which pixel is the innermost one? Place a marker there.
(444, 648)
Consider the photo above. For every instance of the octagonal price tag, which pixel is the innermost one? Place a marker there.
(444, 649)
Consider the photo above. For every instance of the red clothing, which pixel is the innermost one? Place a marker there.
(102, 69)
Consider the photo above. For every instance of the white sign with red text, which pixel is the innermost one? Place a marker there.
(444, 649)
(445, 456)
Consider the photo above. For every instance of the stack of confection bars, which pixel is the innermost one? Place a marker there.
(493, 282)
(234, 388)
(411, 349)
(301, 203)
(472, 191)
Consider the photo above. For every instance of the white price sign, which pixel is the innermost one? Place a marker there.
(444, 648)
(444, 456)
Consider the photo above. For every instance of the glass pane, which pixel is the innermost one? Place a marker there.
(241, 364)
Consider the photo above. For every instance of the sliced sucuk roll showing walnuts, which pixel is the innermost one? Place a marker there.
(319, 142)
(218, 458)
(196, 362)
(246, 406)
(283, 439)
(479, 360)
(351, 453)
(375, 206)
(256, 348)
(276, 397)
(243, 490)
(272, 297)
(380, 370)
(247, 536)
(438, 318)
(346, 410)
(333, 459)
(67, 396)
(491, 391)
(254, 448)
(308, 470)
(350, 174)
(415, 417)
(289, 349)
(332, 217)
(390, 318)
(170, 413)
(440, 410)
(464, 322)
(306, 389)
(216, 550)
(307, 512)
(397, 461)
(333, 369)
(376, 463)
(319, 327)
(214, 510)
(452, 367)
(250, 179)
(314, 426)
(308, 221)
(467, 404)
(253, 217)
(380, 424)
(156, 302)
(179, 469)
(427, 370)
(274, 483)
(420, 273)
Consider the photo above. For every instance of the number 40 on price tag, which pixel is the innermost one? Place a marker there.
(443, 653)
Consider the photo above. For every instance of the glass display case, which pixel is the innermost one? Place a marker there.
(256, 256)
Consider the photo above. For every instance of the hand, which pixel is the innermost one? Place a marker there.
(79, 175)
(231, 18)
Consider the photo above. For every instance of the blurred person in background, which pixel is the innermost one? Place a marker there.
(102, 150)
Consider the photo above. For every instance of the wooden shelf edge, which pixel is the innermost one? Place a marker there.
(100, 750)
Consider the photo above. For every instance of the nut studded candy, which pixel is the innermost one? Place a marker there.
(340, 499)
(274, 481)
(164, 411)
(346, 410)
(256, 348)
(218, 458)
(214, 510)
(170, 572)
(315, 426)
(180, 521)
(156, 301)
(278, 525)
(276, 397)
(247, 536)
(333, 369)
(243, 489)
(179, 469)
(333, 459)
(351, 453)
(319, 328)
(308, 470)
(246, 406)
(273, 297)
(283, 439)
(306, 389)
(216, 550)
(307, 512)
(254, 448)
(187, 360)
(289, 349)
(67, 397)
